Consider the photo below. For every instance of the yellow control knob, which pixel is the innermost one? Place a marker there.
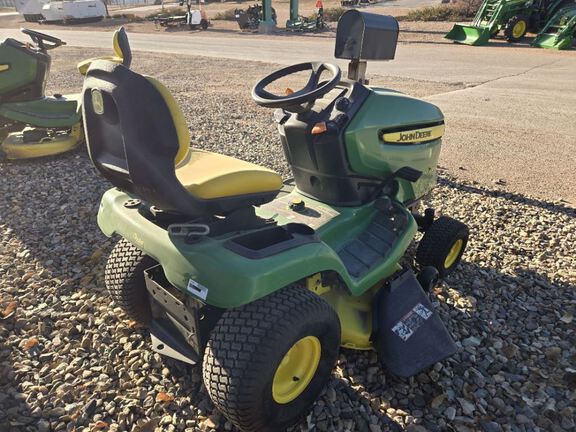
(297, 205)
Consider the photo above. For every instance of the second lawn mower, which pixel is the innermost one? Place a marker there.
(31, 123)
(263, 283)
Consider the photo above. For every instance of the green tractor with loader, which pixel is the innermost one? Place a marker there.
(31, 123)
(554, 22)
(262, 281)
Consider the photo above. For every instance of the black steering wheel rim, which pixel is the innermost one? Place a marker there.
(39, 38)
(310, 92)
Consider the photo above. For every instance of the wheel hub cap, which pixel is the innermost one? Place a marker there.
(296, 369)
(453, 254)
(519, 29)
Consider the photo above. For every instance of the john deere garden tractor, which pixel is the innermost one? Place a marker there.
(262, 282)
(31, 123)
(515, 18)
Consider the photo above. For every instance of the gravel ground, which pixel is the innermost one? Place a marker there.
(70, 360)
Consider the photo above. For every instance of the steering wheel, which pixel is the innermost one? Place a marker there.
(309, 93)
(40, 39)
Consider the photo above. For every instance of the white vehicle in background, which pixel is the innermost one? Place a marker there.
(61, 11)
(73, 11)
(31, 10)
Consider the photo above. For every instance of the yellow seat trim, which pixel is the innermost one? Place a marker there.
(4, 67)
(116, 44)
(209, 175)
(118, 56)
(177, 117)
(84, 65)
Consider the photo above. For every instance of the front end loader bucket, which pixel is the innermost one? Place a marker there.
(469, 35)
(551, 41)
(559, 30)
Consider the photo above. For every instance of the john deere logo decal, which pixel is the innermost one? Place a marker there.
(97, 102)
(414, 136)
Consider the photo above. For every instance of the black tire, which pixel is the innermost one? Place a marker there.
(509, 32)
(249, 343)
(204, 24)
(124, 278)
(437, 243)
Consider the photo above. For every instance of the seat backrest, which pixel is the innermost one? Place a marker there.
(121, 46)
(136, 135)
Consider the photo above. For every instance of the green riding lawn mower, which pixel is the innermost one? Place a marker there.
(31, 123)
(554, 22)
(262, 282)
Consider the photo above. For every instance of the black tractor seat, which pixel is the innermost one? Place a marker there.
(138, 139)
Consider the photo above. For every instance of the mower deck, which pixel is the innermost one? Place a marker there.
(18, 145)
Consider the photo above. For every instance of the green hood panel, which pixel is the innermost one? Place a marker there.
(233, 280)
(368, 155)
(48, 112)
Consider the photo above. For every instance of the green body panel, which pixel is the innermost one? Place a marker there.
(368, 155)
(48, 112)
(22, 69)
(469, 35)
(491, 17)
(233, 280)
(559, 31)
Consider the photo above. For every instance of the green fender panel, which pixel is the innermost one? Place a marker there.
(232, 280)
(48, 112)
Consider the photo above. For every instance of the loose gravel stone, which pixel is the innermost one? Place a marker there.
(70, 360)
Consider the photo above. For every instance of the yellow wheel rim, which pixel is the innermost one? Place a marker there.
(296, 369)
(454, 253)
(519, 29)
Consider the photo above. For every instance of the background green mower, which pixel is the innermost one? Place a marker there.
(263, 282)
(41, 125)
(554, 21)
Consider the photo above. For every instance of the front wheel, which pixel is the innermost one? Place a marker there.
(443, 245)
(516, 28)
(267, 361)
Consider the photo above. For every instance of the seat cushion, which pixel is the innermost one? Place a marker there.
(209, 175)
(85, 64)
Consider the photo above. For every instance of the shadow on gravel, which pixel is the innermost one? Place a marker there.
(511, 196)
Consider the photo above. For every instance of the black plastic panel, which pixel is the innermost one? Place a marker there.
(366, 36)
(409, 334)
(372, 246)
(319, 162)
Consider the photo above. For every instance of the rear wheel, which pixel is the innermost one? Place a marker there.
(443, 245)
(124, 278)
(516, 28)
(204, 24)
(266, 362)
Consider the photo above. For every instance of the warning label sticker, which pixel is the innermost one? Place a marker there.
(410, 322)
